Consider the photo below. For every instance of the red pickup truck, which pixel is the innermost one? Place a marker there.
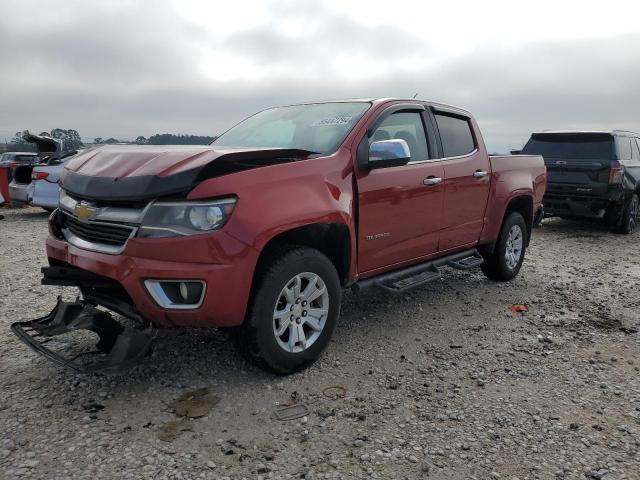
(261, 230)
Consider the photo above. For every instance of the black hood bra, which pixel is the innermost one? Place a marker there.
(147, 187)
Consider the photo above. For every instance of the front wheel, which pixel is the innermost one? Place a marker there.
(506, 259)
(294, 310)
(630, 215)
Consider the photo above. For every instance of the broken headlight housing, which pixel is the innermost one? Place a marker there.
(175, 219)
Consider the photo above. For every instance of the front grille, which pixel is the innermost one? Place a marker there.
(100, 233)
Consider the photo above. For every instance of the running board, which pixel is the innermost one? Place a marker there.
(467, 263)
(417, 275)
(402, 283)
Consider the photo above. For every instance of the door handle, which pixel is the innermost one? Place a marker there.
(480, 173)
(432, 180)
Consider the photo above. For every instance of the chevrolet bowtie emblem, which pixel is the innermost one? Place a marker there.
(83, 210)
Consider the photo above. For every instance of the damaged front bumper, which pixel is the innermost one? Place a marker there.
(119, 347)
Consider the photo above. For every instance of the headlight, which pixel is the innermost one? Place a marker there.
(173, 219)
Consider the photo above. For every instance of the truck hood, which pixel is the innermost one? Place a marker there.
(134, 172)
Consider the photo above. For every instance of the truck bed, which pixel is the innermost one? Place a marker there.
(504, 163)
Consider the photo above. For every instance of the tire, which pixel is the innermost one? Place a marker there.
(538, 218)
(286, 352)
(496, 266)
(630, 215)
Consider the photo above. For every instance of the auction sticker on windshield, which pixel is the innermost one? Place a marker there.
(338, 120)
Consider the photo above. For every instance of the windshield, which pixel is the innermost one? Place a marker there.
(587, 146)
(318, 128)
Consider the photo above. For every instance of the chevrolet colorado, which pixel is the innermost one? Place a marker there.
(261, 230)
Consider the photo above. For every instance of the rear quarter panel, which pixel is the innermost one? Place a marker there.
(45, 192)
(512, 176)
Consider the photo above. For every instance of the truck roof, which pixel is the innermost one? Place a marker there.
(441, 106)
(605, 132)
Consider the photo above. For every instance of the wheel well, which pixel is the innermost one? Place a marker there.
(332, 239)
(524, 206)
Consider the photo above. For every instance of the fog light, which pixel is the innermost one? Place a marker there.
(177, 294)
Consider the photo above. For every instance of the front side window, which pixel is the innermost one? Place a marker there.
(455, 134)
(405, 126)
(318, 128)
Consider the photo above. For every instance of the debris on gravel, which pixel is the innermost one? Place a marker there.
(444, 382)
(195, 404)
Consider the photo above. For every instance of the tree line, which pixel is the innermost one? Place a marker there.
(71, 140)
(162, 139)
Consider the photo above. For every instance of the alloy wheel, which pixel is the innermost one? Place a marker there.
(513, 250)
(300, 312)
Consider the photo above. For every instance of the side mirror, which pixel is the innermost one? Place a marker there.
(388, 153)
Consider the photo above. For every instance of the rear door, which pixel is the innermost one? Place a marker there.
(400, 207)
(467, 181)
(577, 163)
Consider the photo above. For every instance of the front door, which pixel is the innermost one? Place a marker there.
(400, 207)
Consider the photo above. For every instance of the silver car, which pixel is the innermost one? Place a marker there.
(44, 188)
(38, 185)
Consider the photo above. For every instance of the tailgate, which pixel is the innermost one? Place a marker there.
(577, 163)
(583, 176)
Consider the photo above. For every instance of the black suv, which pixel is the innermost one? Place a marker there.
(591, 175)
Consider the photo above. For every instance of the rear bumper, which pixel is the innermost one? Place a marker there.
(20, 193)
(560, 201)
(225, 264)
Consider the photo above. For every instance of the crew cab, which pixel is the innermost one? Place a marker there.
(591, 175)
(260, 231)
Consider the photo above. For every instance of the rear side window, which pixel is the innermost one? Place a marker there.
(456, 136)
(635, 155)
(624, 148)
(582, 146)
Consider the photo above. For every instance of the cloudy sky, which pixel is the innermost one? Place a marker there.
(126, 68)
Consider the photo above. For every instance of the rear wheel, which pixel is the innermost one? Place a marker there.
(507, 257)
(294, 311)
(630, 215)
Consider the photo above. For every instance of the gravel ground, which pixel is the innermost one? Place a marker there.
(445, 382)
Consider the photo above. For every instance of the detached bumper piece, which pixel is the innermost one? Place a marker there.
(118, 349)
